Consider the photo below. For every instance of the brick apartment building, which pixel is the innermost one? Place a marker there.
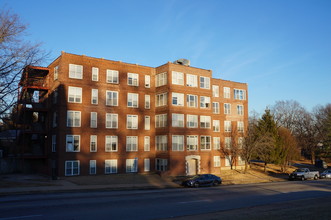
(85, 116)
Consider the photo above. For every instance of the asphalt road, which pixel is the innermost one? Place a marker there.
(157, 204)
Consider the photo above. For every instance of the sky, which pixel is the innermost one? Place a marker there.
(280, 48)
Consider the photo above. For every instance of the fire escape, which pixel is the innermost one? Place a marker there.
(32, 116)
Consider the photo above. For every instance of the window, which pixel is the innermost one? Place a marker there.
(55, 96)
(72, 167)
(147, 165)
(131, 165)
(217, 161)
(147, 143)
(73, 118)
(93, 143)
(227, 108)
(161, 121)
(216, 107)
(192, 121)
(239, 94)
(131, 143)
(147, 101)
(177, 99)
(205, 142)
(133, 100)
(227, 126)
(177, 142)
(110, 166)
(147, 81)
(161, 79)
(111, 98)
(112, 76)
(217, 143)
(228, 142)
(204, 102)
(73, 143)
(133, 79)
(94, 96)
(205, 121)
(74, 94)
(54, 119)
(94, 120)
(93, 167)
(111, 120)
(191, 80)
(161, 142)
(56, 73)
(178, 120)
(226, 92)
(192, 142)
(161, 164)
(227, 161)
(204, 82)
(161, 99)
(216, 126)
(240, 109)
(132, 121)
(95, 74)
(240, 142)
(216, 91)
(75, 71)
(240, 161)
(177, 78)
(111, 143)
(240, 126)
(147, 122)
(53, 143)
(192, 101)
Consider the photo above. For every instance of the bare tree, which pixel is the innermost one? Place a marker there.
(15, 54)
(322, 115)
(231, 149)
(249, 145)
(288, 149)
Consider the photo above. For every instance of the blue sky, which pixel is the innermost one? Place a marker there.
(281, 48)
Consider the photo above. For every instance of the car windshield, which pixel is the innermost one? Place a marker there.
(300, 170)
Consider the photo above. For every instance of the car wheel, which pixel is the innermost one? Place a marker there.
(196, 184)
(302, 178)
(315, 177)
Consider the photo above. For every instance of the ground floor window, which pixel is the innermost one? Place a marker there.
(93, 166)
(161, 164)
(131, 165)
(72, 167)
(217, 161)
(147, 164)
(110, 166)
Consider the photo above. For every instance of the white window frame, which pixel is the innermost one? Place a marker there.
(112, 76)
(192, 142)
(161, 164)
(94, 96)
(216, 126)
(161, 99)
(240, 109)
(131, 143)
(204, 102)
(205, 142)
(147, 143)
(191, 80)
(177, 99)
(178, 120)
(204, 82)
(239, 94)
(74, 167)
(131, 121)
(73, 119)
(227, 108)
(93, 167)
(216, 107)
(75, 71)
(93, 143)
(228, 161)
(161, 120)
(217, 161)
(94, 120)
(161, 79)
(226, 92)
(227, 126)
(75, 94)
(133, 79)
(240, 142)
(110, 166)
(216, 91)
(191, 101)
(95, 74)
(133, 100)
(240, 126)
(161, 142)
(112, 98)
(111, 143)
(147, 165)
(147, 81)
(177, 142)
(192, 121)
(205, 121)
(147, 101)
(227, 142)
(71, 143)
(216, 143)
(177, 78)
(131, 165)
(111, 120)
(147, 122)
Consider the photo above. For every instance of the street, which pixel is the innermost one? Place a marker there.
(157, 204)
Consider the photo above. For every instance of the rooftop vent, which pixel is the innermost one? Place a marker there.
(184, 62)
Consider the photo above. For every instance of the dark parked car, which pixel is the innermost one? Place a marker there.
(202, 180)
(326, 174)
